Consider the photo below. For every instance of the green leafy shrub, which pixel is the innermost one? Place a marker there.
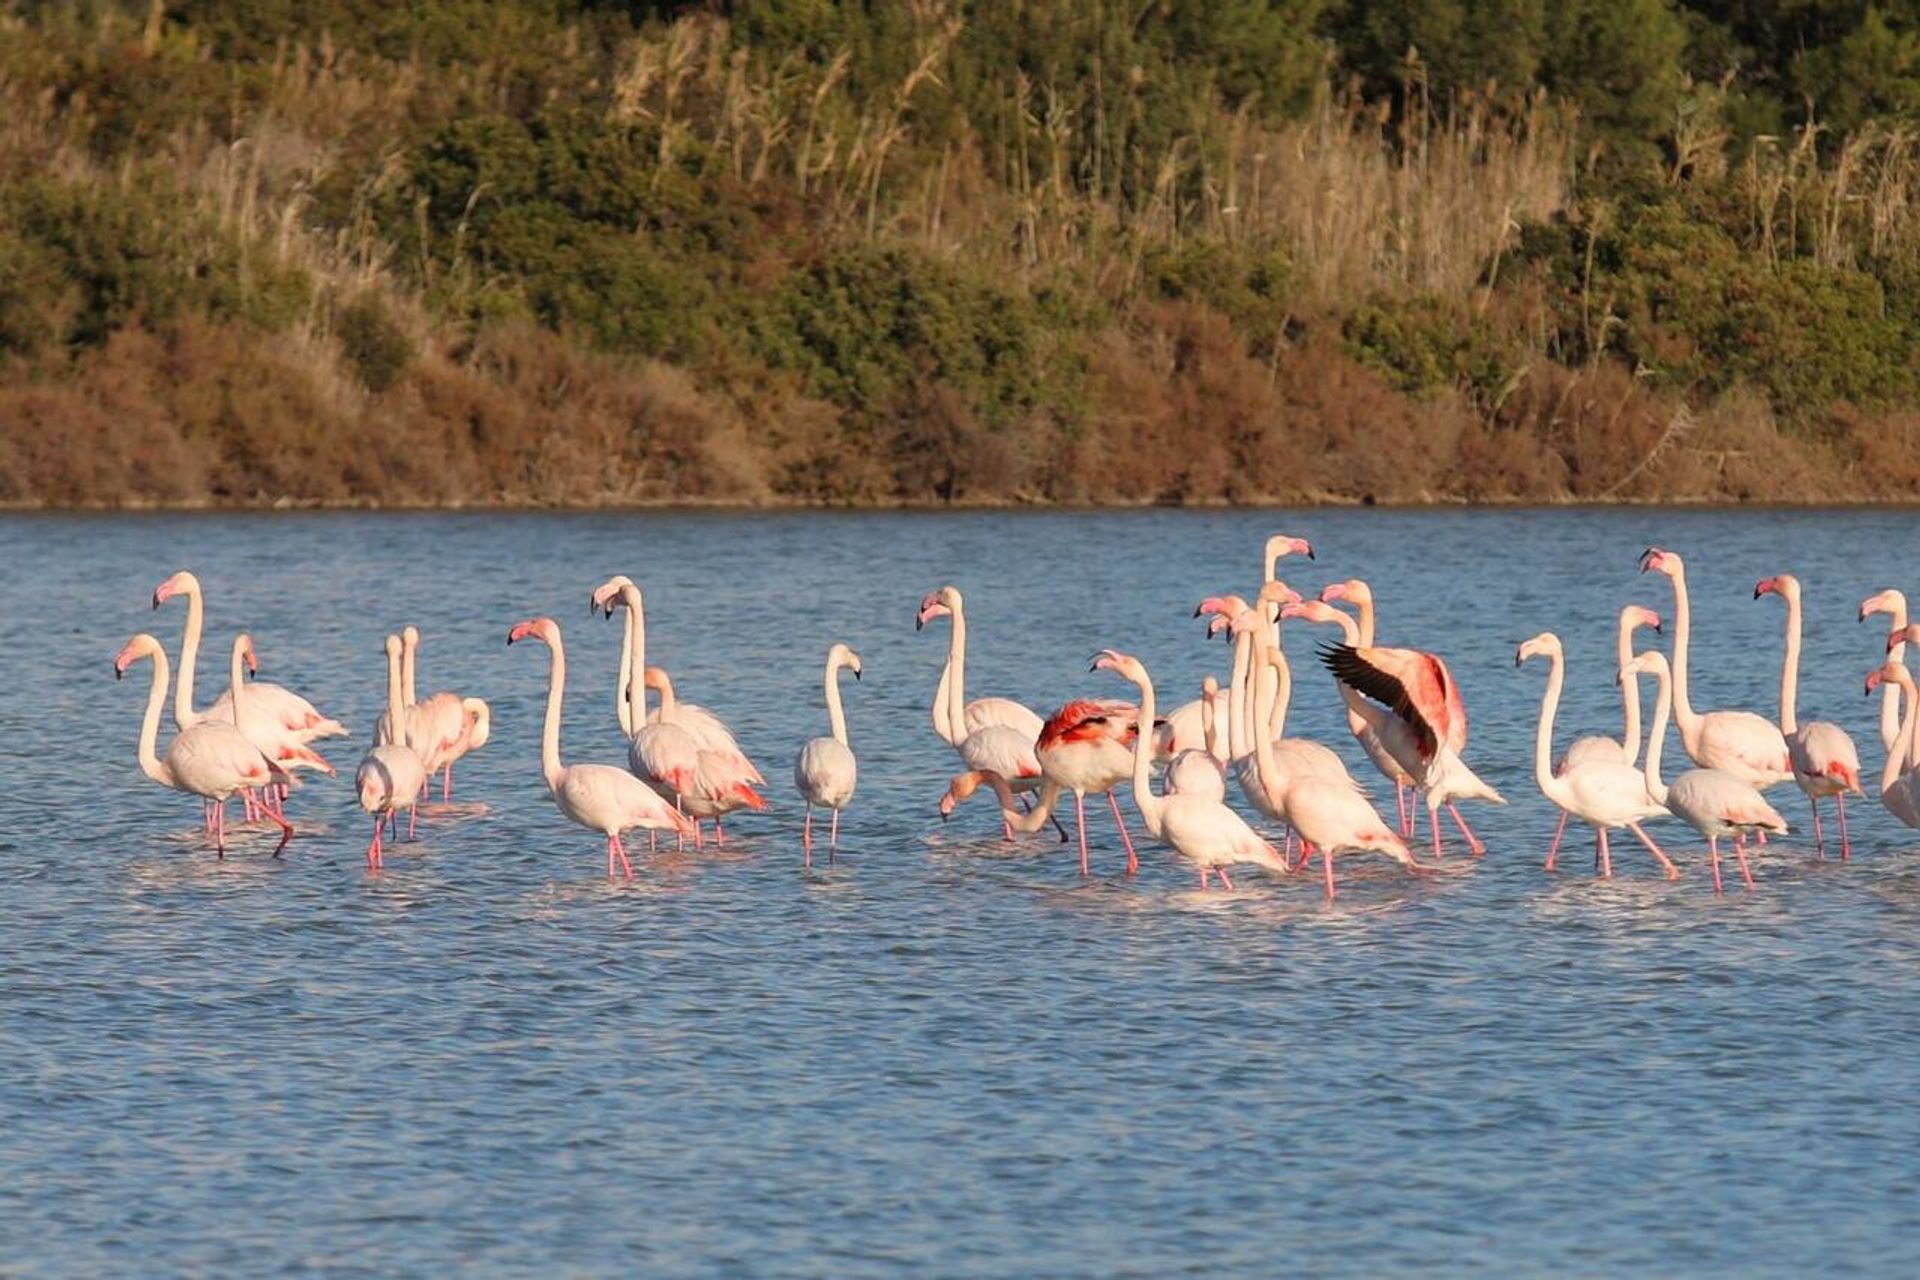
(378, 349)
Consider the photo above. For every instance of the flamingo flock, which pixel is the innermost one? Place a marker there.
(1297, 798)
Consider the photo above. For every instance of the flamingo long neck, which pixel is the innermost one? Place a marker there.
(1150, 805)
(409, 645)
(667, 701)
(396, 692)
(1350, 635)
(184, 716)
(623, 688)
(1629, 692)
(1682, 632)
(1899, 750)
(1034, 819)
(238, 675)
(550, 735)
(1365, 605)
(1551, 786)
(941, 724)
(1890, 723)
(957, 669)
(1209, 724)
(1662, 708)
(1283, 691)
(1237, 724)
(835, 716)
(1265, 766)
(150, 762)
(633, 665)
(1790, 667)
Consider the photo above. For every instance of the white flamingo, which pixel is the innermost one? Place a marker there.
(1712, 801)
(980, 713)
(1825, 762)
(1894, 604)
(599, 797)
(1899, 783)
(825, 771)
(210, 760)
(1598, 746)
(1601, 793)
(391, 775)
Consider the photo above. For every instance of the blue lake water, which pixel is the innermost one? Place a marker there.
(938, 1055)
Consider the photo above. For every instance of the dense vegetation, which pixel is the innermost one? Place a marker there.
(1041, 250)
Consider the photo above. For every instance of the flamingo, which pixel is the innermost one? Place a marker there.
(1087, 747)
(1899, 784)
(1365, 721)
(211, 760)
(1420, 691)
(1602, 793)
(1598, 746)
(392, 774)
(1712, 801)
(1197, 770)
(825, 771)
(1894, 603)
(1822, 755)
(1748, 746)
(444, 727)
(1200, 829)
(954, 727)
(664, 755)
(723, 778)
(599, 797)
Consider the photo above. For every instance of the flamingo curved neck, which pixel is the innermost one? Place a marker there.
(237, 673)
(1554, 788)
(940, 722)
(396, 703)
(1890, 695)
(1662, 708)
(1365, 606)
(1265, 766)
(1683, 715)
(184, 716)
(1790, 667)
(550, 735)
(1150, 805)
(409, 645)
(623, 686)
(150, 762)
(957, 670)
(1236, 698)
(633, 665)
(835, 716)
(1629, 692)
(1282, 695)
(1357, 723)
(1209, 724)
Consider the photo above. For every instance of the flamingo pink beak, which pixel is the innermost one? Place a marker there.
(521, 630)
(1333, 591)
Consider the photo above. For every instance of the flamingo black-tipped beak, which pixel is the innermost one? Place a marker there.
(856, 673)
(1310, 554)
(117, 672)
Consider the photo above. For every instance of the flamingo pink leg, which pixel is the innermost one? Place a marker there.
(1203, 879)
(413, 816)
(806, 834)
(1746, 872)
(373, 850)
(1434, 813)
(1819, 836)
(1474, 844)
(1846, 849)
(1673, 872)
(833, 835)
(1760, 838)
(446, 785)
(1606, 856)
(1713, 859)
(620, 847)
(1553, 849)
(1403, 805)
(719, 832)
(1224, 880)
(1133, 859)
(1326, 862)
(220, 832)
(1080, 820)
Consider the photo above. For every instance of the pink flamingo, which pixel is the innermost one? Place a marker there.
(1748, 746)
(1086, 747)
(444, 727)
(1600, 792)
(1420, 692)
(723, 778)
(1365, 721)
(1197, 769)
(1626, 749)
(1712, 801)
(663, 755)
(1899, 783)
(599, 797)
(1200, 829)
(1895, 604)
(391, 775)
(1824, 760)
(210, 760)
(954, 727)
(825, 771)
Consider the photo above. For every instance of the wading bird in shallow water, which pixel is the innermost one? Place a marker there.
(1601, 793)
(1899, 783)
(825, 771)
(599, 797)
(442, 728)
(1712, 801)
(1748, 746)
(1202, 830)
(391, 776)
(1893, 604)
(211, 760)
(1626, 750)
(1824, 759)
(1086, 747)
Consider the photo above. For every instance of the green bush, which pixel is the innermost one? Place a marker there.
(378, 349)
(1423, 345)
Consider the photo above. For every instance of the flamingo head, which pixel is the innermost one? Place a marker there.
(243, 645)
(1121, 664)
(1210, 688)
(1218, 623)
(657, 679)
(394, 644)
(1651, 663)
(1247, 622)
(1889, 673)
(1311, 610)
(1352, 589)
(1654, 560)
(1635, 616)
(181, 582)
(1902, 635)
(1784, 585)
(141, 646)
(841, 656)
(1888, 601)
(1277, 592)
(937, 604)
(962, 786)
(608, 595)
(1229, 606)
(543, 629)
(410, 636)
(1545, 643)
(1281, 544)
(479, 718)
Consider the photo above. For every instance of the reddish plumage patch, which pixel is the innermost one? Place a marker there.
(1089, 720)
(748, 796)
(1843, 775)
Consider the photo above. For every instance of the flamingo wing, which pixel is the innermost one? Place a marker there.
(1416, 686)
(1090, 720)
(1002, 750)
(984, 713)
